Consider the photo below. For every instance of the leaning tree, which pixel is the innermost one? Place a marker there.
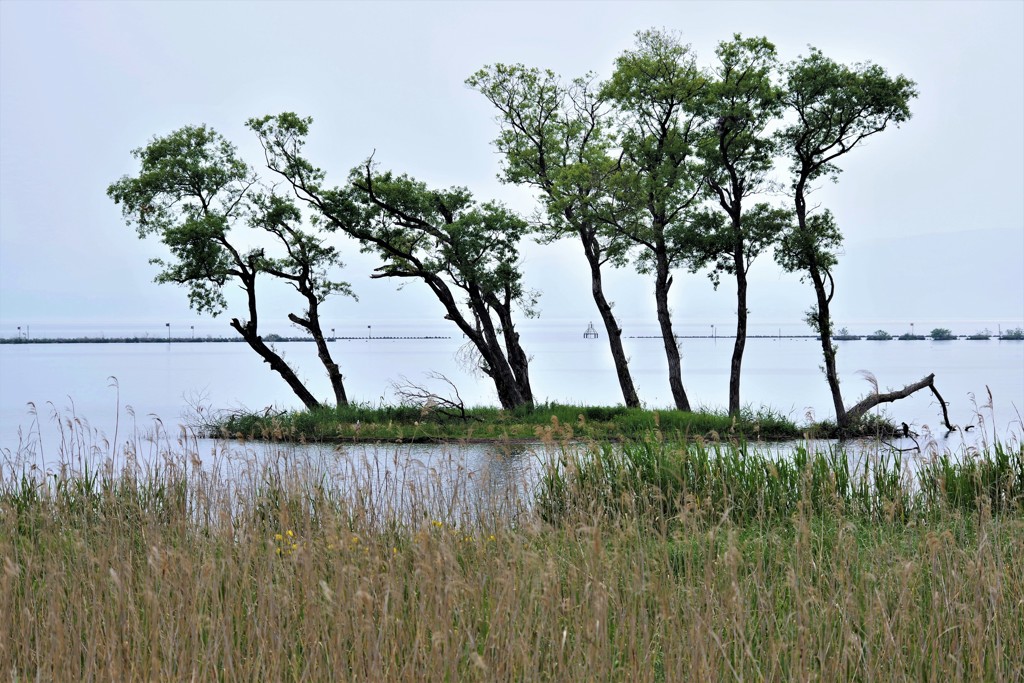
(209, 209)
(656, 93)
(464, 251)
(833, 108)
(554, 137)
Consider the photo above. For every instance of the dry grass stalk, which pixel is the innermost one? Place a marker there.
(285, 575)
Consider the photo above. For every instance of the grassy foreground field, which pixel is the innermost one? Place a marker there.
(663, 562)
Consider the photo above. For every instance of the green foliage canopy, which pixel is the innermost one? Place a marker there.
(190, 189)
(657, 91)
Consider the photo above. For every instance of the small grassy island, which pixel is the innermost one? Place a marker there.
(550, 421)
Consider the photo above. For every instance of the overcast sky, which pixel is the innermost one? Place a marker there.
(933, 212)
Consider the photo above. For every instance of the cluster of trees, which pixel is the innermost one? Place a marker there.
(937, 334)
(666, 165)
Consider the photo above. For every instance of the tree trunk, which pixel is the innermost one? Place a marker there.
(312, 325)
(485, 340)
(741, 334)
(823, 317)
(662, 283)
(324, 353)
(333, 372)
(518, 362)
(510, 393)
(824, 321)
(276, 363)
(611, 326)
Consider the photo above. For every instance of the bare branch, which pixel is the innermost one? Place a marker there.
(429, 401)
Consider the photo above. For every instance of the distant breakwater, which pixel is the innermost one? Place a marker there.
(197, 340)
(276, 338)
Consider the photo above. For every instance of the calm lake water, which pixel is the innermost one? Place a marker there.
(116, 386)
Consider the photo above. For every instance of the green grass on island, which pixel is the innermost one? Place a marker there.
(541, 422)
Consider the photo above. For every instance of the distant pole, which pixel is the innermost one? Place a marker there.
(369, 331)
(332, 334)
(19, 332)
(713, 335)
(911, 329)
(168, 326)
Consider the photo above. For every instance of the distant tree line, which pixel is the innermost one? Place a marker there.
(937, 334)
(667, 165)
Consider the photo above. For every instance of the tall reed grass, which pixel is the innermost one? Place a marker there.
(661, 480)
(662, 563)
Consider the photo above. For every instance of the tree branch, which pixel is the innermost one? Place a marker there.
(858, 411)
(945, 413)
(429, 401)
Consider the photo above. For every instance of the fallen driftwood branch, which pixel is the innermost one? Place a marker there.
(877, 398)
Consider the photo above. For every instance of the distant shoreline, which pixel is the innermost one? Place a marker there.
(271, 338)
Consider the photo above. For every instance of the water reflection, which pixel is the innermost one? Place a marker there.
(457, 483)
(408, 482)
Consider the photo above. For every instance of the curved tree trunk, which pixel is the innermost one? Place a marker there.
(277, 364)
(312, 324)
(822, 316)
(517, 359)
(824, 323)
(323, 352)
(663, 281)
(845, 418)
(510, 393)
(484, 338)
(611, 326)
(500, 368)
(250, 333)
(741, 333)
(333, 372)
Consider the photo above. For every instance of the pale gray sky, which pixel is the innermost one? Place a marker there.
(933, 212)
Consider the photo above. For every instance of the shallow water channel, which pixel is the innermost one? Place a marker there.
(456, 482)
